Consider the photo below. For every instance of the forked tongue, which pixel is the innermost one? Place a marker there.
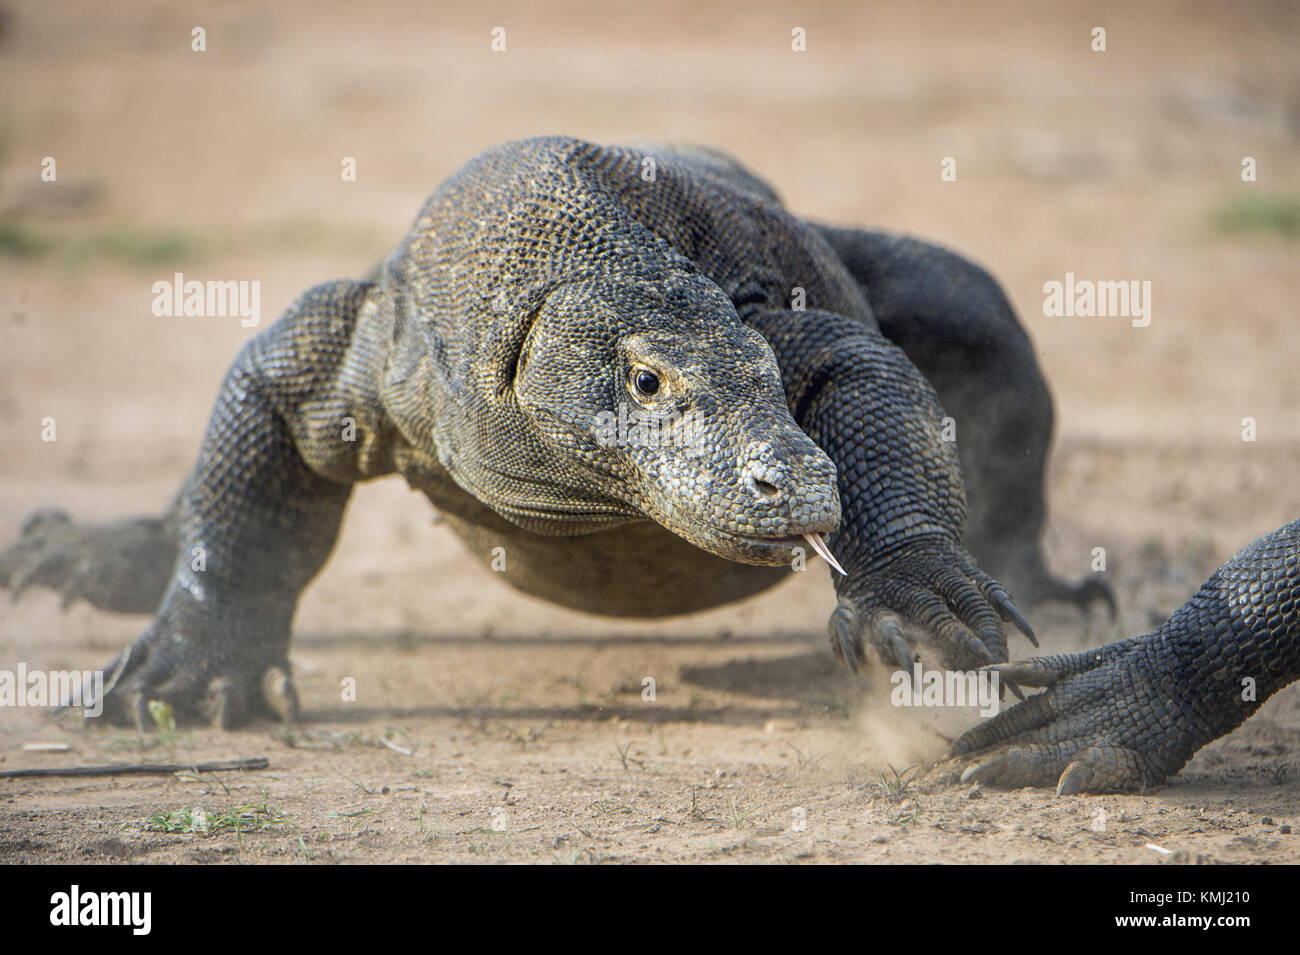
(816, 543)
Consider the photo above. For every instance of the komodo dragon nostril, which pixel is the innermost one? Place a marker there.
(762, 488)
(762, 472)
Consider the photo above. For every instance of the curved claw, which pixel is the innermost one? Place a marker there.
(1010, 612)
(112, 672)
(887, 634)
(1029, 672)
(986, 770)
(843, 627)
(846, 651)
(222, 705)
(139, 707)
(1076, 778)
(279, 694)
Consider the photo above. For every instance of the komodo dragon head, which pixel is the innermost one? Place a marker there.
(676, 408)
(581, 373)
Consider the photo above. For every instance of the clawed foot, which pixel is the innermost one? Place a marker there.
(1098, 727)
(216, 661)
(937, 587)
(206, 676)
(121, 566)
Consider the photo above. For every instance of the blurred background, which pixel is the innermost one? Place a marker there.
(225, 164)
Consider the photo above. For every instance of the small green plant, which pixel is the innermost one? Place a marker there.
(251, 817)
(893, 785)
(695, 810)
(607, 807)
(354, 814)
(629, 756)
(737, 816)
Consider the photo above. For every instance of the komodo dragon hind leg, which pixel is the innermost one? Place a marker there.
(1130, 714)
(120, 566)
(955, 324)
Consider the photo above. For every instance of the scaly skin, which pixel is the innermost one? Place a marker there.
(955, 324)
(536, 289)
(1130, 714)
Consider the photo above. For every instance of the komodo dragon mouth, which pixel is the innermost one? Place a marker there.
(814, 540)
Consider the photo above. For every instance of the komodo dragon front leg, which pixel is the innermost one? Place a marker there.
(253, 523)
(903, 507)
(1130, 714)
(955, 323)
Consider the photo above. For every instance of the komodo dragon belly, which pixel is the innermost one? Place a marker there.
(637, 569)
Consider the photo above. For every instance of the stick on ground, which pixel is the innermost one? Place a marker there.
(152, 769)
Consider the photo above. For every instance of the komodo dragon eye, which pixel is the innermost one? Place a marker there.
(646, 382)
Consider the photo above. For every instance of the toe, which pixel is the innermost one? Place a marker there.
(845, 630)
(279, 694)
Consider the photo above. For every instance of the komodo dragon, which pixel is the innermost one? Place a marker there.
(787, 383)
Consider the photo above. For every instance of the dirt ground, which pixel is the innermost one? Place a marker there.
(490, 726)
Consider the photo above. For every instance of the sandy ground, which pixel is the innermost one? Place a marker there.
(520, 730)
